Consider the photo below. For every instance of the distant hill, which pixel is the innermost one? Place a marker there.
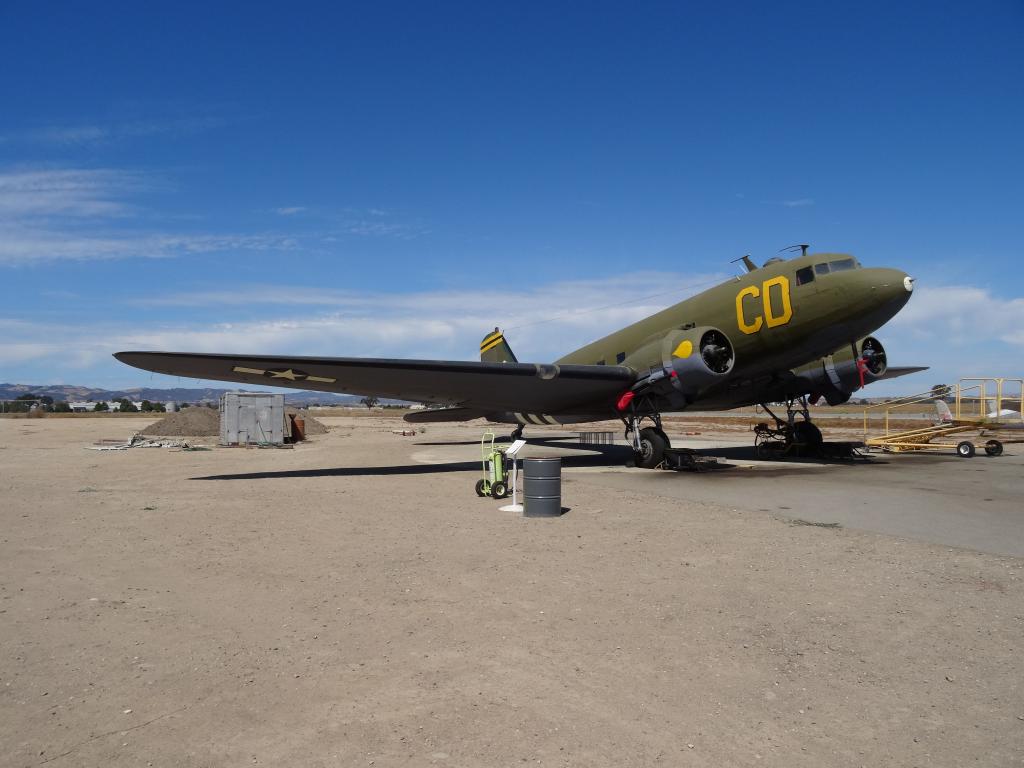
(70, 392)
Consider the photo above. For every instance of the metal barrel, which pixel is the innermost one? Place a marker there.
(542, 487)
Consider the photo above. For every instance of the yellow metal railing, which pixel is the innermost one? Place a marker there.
(989, 402)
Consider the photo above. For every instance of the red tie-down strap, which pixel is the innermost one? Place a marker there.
(862, 367)
(625, 400)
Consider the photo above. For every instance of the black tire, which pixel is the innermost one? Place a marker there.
(481, 488)
(499, 490)
(807, 433)
(652, 448)
(994, 448)
(965, 449)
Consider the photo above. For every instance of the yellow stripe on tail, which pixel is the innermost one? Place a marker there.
(494, 349)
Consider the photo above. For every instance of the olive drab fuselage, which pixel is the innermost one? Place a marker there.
(776, 321)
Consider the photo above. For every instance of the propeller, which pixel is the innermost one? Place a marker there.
(872, 358)
(716, 352)
(873, 355)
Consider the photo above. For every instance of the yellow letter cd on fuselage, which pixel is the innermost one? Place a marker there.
(769, 318)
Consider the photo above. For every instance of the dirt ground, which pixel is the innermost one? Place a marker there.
(351, 602)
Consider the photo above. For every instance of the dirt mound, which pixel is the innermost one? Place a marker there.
(313, 427)
(188, 422)
(205, 422)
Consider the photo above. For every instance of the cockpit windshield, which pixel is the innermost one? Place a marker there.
(836, 265)
(841, 265)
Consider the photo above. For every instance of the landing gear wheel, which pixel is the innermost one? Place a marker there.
(965, 449)
(807, 433)
(652, 448)
(499, 490)
(481, 488)
(994, 448)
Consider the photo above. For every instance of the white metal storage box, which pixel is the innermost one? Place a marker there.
(251, 418)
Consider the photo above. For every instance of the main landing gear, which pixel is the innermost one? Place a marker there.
(649, 443)
(789, 437)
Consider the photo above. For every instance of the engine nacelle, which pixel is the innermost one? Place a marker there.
(697, 358)
(837, 376)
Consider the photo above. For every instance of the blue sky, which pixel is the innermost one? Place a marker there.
(394, 179)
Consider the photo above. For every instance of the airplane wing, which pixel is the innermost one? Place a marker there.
(892, 371)
(524, 387)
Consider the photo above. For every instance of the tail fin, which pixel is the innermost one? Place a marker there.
(494, 349)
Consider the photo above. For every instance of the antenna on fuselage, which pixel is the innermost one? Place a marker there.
(802, 246)
(751, 266)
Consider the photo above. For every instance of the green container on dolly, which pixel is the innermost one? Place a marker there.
(495, 480)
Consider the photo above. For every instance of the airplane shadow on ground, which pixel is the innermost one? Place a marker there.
(749, 453)
(552, 441)
(595, 460)
(608, 456)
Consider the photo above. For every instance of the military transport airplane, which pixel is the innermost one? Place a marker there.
(790, 331)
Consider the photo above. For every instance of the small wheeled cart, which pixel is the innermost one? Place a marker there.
(494, 483)
(935, 438)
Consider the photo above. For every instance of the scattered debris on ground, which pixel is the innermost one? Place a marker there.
(138, 441)
(798, 521)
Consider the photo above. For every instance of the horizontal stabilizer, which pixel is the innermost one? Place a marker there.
(433, 415)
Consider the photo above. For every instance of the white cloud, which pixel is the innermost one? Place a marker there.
(19, 246)
(290, 210)
(67, 214)
(962, 316)
(798, 203)
(98, 133)
(65, 192)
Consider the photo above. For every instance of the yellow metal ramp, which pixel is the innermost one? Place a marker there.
(972, 405)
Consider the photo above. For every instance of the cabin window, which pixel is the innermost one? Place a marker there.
(805, 275)
(821, 269)
(599, 362)
(620, 357)
(841, 265)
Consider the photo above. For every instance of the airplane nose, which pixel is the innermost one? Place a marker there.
(892, 286)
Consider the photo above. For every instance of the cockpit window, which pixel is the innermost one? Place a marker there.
(841, 265)
(821, 269)
(805, 275)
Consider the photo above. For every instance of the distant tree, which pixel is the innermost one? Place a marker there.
(62, 407)
(145, 406)
(22, 403)
(101, 406)
(370, 401)
(158, 407)
(182, 406)
(126, 406)
(940, 391)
